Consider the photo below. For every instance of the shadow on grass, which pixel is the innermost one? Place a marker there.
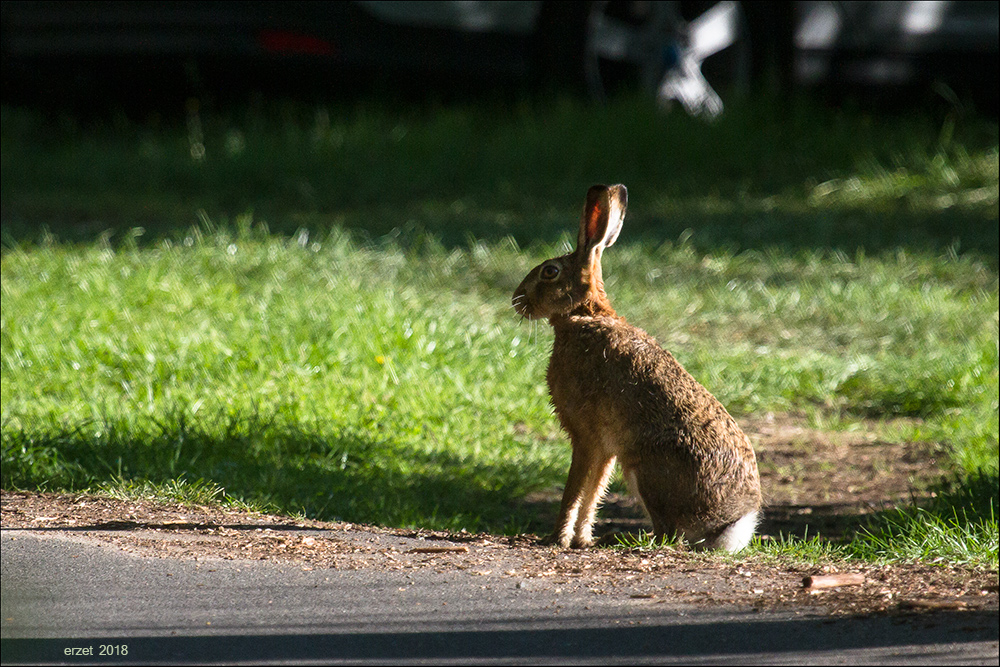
(286, 468)
(769, 173)
(847, 229)
(958, 501)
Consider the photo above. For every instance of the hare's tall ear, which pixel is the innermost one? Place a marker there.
(602, 219)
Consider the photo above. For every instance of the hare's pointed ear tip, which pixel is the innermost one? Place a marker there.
(619, 192)
(622, 193)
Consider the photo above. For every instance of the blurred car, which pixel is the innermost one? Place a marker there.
(890, 44)
(683, 52)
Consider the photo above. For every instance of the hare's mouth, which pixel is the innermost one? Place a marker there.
(521, 305)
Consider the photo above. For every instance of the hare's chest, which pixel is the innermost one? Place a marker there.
(590, 420)
(585, 393)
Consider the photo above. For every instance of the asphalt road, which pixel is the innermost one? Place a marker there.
(60, 594)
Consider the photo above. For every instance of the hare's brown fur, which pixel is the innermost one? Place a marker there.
(620, 396)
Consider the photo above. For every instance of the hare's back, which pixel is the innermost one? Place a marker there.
(611, 356)
(612, 363)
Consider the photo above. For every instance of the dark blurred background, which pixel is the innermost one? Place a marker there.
(820, 124)
(146, 55)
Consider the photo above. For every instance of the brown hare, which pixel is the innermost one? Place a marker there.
(620, 396)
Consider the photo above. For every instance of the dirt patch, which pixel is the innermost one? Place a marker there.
(827, 482)
(815, 482)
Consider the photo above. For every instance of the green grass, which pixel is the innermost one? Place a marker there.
(307, 359)
(959, 525)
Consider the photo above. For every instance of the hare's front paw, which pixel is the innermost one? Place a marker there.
(549, 540)
(566, 541)
(558, 539)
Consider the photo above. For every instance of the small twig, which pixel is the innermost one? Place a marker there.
(821, 581)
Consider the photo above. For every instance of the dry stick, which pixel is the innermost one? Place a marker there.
(820, 581)
(438, 550)
(935, 605)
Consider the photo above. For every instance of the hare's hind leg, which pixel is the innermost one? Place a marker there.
(588, 478)
(667, 502)
(658, 499)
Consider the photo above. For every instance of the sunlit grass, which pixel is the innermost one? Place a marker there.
(180, 490)
(377, 384)
(959, 525)
(921, 535)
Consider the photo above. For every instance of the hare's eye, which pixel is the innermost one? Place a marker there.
(550, 272)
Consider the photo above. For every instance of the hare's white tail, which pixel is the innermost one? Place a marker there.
(736, 535)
